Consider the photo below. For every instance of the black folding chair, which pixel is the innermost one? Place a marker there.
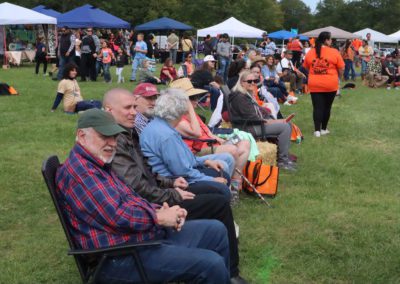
(89, 261)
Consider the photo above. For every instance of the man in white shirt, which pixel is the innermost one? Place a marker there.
(288, 73)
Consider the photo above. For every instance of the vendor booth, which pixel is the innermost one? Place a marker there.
(90, 16)
(19, 29)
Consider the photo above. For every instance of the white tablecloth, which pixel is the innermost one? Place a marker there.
(15, 57)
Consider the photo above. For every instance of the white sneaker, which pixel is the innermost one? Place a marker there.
(287, 103)
(291, 98)
(397, 88)
(388, 88)
(324, 132)
(317, 134)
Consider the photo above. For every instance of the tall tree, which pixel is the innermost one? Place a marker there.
(296, 14)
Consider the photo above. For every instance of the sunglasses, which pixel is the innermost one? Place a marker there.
(255, 81)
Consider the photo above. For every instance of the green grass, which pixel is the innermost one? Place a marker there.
(334, 221)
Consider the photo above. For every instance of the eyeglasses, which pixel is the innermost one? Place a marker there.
(255, 81)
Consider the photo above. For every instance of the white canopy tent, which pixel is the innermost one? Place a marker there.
(376, 36)
(233, 27)
(396, 35)
(11, 14)
(335, 33)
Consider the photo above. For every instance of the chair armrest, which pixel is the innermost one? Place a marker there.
(208, 141)
(114, 249)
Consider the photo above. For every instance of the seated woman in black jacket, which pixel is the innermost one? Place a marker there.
(203, 78)
(243, 107)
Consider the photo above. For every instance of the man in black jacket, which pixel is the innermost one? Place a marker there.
(89, 49)
(66, 49)
(129, 164)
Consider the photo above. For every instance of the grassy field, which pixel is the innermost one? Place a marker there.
(334, 221)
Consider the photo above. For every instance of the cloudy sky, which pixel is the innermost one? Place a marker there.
(312, 4)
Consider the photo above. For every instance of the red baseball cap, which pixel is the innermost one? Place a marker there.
(146, 90)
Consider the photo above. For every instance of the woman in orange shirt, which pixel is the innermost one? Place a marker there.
(348, 57)
(325, 66)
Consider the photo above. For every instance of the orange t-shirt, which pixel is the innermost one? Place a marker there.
(356, 44)
(296, 45)
(323, 76)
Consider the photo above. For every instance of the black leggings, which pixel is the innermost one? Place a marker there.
(39, 60)
(322, 104)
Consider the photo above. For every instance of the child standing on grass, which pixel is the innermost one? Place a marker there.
(40, 56)
(106, 54)
(120, 63)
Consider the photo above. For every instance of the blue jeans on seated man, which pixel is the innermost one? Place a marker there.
(226, 159)
(199, 253)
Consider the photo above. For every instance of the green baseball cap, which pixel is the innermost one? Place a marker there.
(101, 121)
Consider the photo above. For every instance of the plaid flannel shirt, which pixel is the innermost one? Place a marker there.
(101, 210)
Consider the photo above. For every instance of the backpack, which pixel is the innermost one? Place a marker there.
(6, 90)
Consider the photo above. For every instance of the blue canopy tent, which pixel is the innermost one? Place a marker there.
(90, 16)
(46, 11)
(285, 35)
(163, 23)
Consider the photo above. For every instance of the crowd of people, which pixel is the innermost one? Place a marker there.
(144, 162)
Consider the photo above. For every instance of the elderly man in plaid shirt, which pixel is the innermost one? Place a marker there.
(103, 211)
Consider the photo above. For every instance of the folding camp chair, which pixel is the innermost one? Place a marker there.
(89, 261)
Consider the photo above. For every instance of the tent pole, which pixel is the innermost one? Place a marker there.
(5, 46)
(197, 45)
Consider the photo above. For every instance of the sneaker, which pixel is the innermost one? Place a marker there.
(45, 74)
(236, 229)
(324, 132)
(317, 134)
(388, 88)
(292, 98)
(287, 166)
(397, 88)
(287, 103)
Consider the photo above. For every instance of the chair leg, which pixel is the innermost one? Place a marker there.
(139, 266)
(93, 279)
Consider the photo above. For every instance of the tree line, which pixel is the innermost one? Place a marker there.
(269, 15)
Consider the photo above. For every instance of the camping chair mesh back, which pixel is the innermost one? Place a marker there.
(89, 261)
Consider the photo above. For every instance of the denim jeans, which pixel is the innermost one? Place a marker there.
(349, 68)
(136, 62)
(172, 55)
(107, 75)
(223, 67)
(363, 67)
(199, 253)
(99, 66)
(62, 60)
(214, 95)
(226, 159)
(84, 105)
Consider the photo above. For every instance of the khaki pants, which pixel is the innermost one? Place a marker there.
(375, 80)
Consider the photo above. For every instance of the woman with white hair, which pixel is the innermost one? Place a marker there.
(243, 107)
(169, 156)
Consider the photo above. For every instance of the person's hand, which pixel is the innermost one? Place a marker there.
(216, 165)
(94, 55)
(214, 84)
(186, 195)
(276, 81)
(221, 180)
(220, 140)
(67, 53)
(181, 183)
(173, 217)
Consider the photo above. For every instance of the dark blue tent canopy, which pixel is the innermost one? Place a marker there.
(46, 11)
(284, 35)
(163, 23)
(89, 16)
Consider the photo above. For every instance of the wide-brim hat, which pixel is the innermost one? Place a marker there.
(259, 59)
(187, 86)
